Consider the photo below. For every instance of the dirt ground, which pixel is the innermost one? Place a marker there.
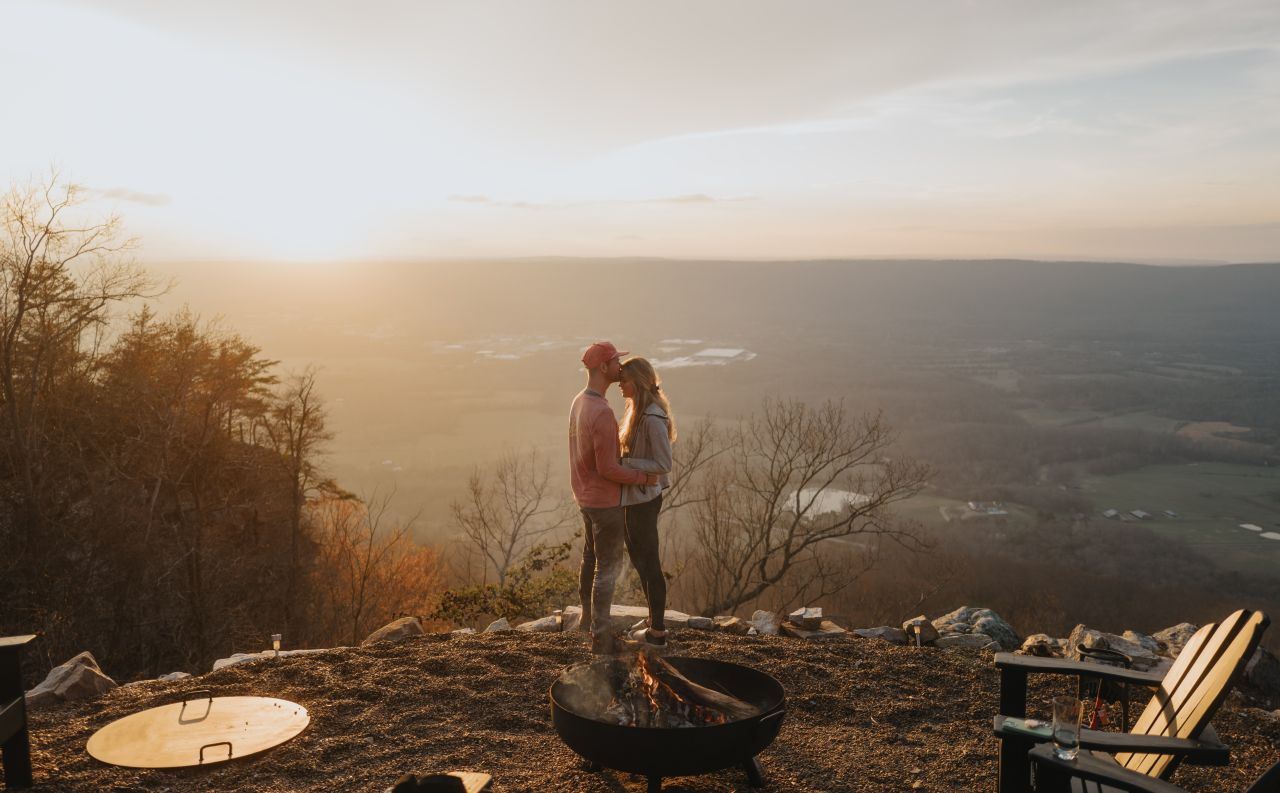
(862, 715)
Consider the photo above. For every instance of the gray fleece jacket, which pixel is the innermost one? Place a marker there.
(651, 453)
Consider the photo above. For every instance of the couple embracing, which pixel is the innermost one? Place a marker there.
(618, 471)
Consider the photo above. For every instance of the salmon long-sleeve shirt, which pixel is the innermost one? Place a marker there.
(593, 453)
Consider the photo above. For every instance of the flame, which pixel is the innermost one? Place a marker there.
(663, 699)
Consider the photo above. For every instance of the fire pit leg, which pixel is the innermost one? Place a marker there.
(755, 774)
(655, 784)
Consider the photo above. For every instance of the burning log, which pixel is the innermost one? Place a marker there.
(653, 693)
(732, 707)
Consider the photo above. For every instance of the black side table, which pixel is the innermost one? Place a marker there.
(14, 743)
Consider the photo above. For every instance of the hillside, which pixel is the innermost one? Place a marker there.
(862, 715)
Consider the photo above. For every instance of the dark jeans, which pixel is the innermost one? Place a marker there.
(641, 535)
(601, 564)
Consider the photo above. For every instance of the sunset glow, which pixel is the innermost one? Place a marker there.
(728, 130)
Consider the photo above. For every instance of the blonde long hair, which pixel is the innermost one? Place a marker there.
(648, 390)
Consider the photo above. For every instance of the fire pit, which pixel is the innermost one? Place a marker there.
(593, 708)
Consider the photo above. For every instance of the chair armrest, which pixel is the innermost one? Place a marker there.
(1061, 666)
(1198, 751)
(1047, 767)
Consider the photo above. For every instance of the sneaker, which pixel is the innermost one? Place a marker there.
(655, 638)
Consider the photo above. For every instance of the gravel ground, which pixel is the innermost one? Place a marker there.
(862, 715)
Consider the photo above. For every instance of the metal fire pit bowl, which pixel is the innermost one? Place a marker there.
(657, 752)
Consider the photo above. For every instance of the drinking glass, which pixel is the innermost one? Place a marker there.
(1066, 727)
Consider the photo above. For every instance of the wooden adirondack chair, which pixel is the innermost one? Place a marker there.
(1175, 725)
(1089, 774)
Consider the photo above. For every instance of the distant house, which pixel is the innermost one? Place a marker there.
(994, 508)
(1139, 514)
(1113, 514)
(1171, 513)
(1250, 527)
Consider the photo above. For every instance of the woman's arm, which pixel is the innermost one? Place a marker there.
(604, 440)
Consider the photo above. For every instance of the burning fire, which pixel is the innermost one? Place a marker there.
(647, 696)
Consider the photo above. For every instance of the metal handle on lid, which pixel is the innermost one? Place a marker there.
(211, 745)
(205, 694)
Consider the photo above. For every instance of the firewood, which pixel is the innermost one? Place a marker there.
(732, 707)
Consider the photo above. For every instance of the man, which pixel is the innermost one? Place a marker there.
(597, 478)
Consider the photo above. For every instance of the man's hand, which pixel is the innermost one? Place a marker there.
(650, 479)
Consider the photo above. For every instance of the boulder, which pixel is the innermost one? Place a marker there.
(500, 624)
(241, 658)
(1143, 659)
(174, 676)
(964, 614)
(1148, 643)
(395, 631)
(809, 618)
(462, 632)
(826, 630)
(735, 625)
(549, 624)
(78, 679)
(766, 623)
(997, 629)
(976, 641)
(702, 623)
(1041, 644)
(572, 619)
(921, 626)
(1175, 637)
(886, 632)
(1263, 671)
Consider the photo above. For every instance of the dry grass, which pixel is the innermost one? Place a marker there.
(862, 716)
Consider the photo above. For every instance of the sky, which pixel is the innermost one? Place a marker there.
(408, 129)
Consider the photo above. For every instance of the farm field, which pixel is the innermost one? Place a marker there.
(1210, 500)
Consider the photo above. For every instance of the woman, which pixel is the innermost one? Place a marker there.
(645, 435)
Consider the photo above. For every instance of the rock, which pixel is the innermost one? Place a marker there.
(174, 676)
(976, 641)
(1041, 644)
(826, 630)
(921, 625)
(1143, 659)
(735, 625)
(622, 616)
(886, 632)
(809, 618)
(500, 624)
(1263, 671)
(963, 614)
(967, 619)
(395, 631)
(241, 658)
(549, 624)
(462, 632)
(572, 619)
(752, 631)
(992, 626)
(78, 679)
(702, 623)
(766, 623)
(1175, 637)
(1148, 643)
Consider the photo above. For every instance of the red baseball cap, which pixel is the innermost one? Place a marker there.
(599, 353)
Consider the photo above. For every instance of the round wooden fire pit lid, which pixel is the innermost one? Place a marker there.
(200, 730)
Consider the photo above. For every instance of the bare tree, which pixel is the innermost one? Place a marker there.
(59, 274)
(801, 494)
(507, 509)
(295, 428)
(368, 571)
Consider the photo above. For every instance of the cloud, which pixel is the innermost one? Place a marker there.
(133, 196)
(688, 198)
